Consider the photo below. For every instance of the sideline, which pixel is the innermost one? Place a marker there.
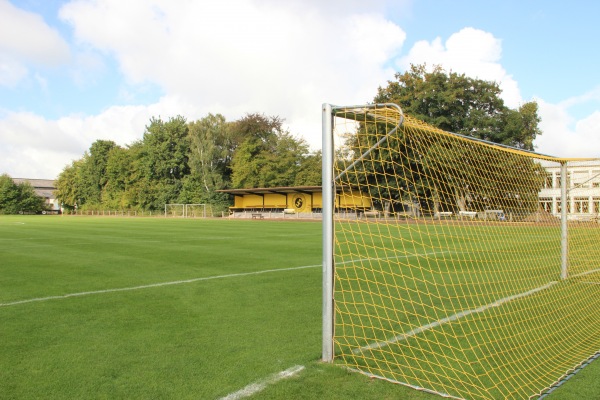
(154, 285)
(256, 387)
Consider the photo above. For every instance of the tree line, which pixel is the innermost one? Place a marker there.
(188, 162)
(177, 161)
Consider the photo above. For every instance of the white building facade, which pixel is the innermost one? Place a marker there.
(583, 189)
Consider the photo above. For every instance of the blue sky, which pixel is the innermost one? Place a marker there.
(72, 72)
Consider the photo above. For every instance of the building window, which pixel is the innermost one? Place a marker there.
(548, 182)
(596, 205)
(559, 206)
(546, 204)
(581, 205)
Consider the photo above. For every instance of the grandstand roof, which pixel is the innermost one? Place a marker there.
(275, 190)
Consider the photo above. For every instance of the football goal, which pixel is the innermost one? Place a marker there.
(188, 210)
(476, 272)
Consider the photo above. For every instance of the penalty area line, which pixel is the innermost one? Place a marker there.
(451, 318)
(153, 285)
(259, 386)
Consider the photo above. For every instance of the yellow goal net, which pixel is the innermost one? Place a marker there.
(475, 271)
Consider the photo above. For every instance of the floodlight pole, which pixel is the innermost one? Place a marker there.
(327, 210)
(564, 243)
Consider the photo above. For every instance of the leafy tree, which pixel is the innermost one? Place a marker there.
(9, 195)
(521, 126)
(93, 171)
(165, 149)
(68, 187)
(310, 172)
(163, 162)
(29, 201)
(268, 156)
(460, 104)
(209, 152)
(120, 176)
(257, 138)
(16, 198)
(435, 171)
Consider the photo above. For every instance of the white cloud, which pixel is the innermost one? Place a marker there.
(240, 56)
(470, 51)
(234, 57)
(478, 54)
(244, 56)
(25, 38)
(563, 136)
(34, 147)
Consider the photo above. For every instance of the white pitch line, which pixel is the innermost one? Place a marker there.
(419, 388)
(153, 285)
(585, 273)
(396, 257)
(256, 387)
(451, 318)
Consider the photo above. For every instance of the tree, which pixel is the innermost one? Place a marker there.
(9, 195)
(16, 198)
(93, 171)
(68, 190)
(268, 156)
(208, 152)
(311, 170)
(165, 149)
(521, 126)
(120, 177)
(163, 162)
(458, 104)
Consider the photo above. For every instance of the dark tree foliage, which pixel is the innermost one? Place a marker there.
(442, 174)
(460, 104)
(19, 198)
(188, 162)
(268, 156)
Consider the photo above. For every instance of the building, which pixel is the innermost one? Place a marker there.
(583, 186)
(44, 188)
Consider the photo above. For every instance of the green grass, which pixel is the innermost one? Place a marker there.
(225, 328)
(401, 277)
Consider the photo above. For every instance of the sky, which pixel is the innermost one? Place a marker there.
(73, 72)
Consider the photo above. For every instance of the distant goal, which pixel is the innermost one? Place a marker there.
(188, 211)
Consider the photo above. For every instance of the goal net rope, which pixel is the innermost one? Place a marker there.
(476, 273)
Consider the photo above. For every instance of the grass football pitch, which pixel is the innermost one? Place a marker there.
(154, 308)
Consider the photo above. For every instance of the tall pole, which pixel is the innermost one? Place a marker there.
(327, 209)
(564, 243)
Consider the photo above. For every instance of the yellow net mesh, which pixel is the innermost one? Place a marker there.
(452, 280)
